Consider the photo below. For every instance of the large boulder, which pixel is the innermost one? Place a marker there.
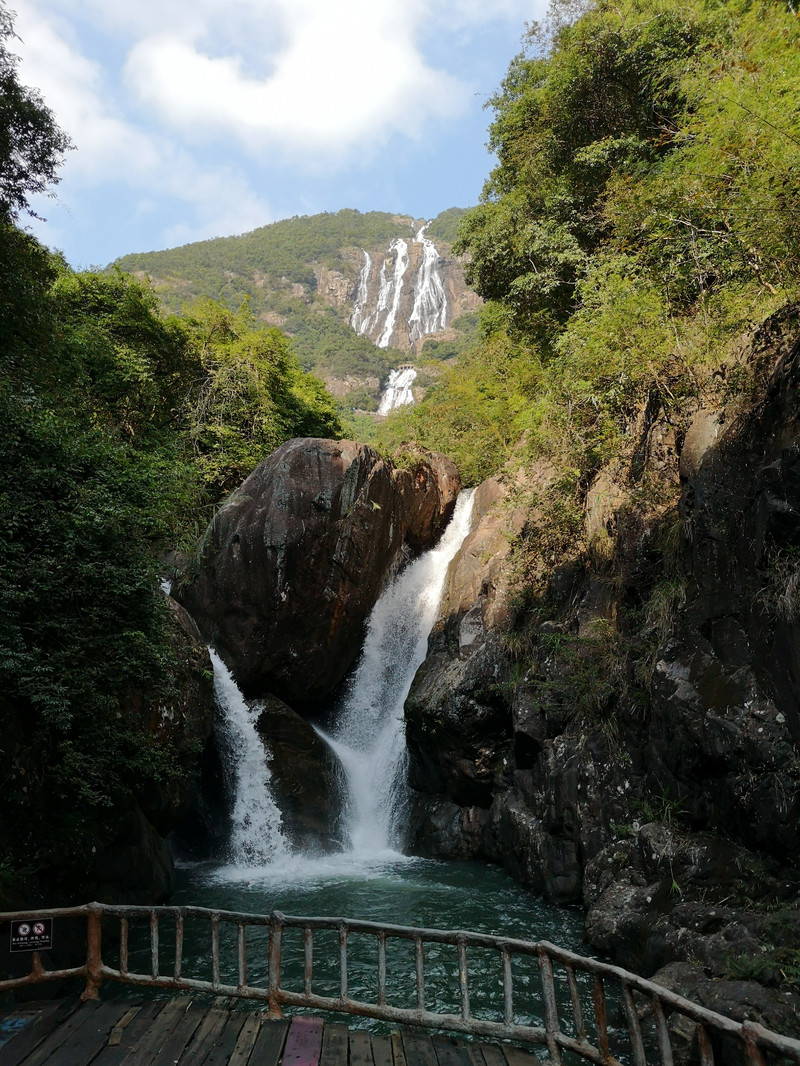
(296, 558)
(304, 775)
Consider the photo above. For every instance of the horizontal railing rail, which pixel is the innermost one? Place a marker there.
(648, 1012)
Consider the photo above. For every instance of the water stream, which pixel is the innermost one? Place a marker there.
(369, 735)
(398, 390)
(369, 877)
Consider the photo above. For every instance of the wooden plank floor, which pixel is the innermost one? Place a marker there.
(186, 1032)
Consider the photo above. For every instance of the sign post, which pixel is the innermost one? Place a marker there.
(32, 934)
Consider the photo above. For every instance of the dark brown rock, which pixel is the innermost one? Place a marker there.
(186, 720)
(296, 558)
(305, 775)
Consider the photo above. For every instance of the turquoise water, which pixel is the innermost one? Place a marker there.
(395, 890)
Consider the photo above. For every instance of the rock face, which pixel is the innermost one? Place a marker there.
(132, 863)
(296, 558)
(408, 292)
(304, 775)
(626, 732)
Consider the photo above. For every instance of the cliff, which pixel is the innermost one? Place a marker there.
(357, 292)
(611, 711)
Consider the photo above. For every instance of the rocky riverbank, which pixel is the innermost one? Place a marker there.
(613, 715)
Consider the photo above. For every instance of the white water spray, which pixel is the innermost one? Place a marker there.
(357, 321)
(429, 313)
(369, 736)
(398, 391)
(257, 837)
(400, 248)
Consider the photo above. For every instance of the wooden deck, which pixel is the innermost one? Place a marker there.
(190, 1032)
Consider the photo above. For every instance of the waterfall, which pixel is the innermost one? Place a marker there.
(429, 312)
(257, 836)
(368, 736)
(398, 391)
(390, 289)
(362, 296)
(400, 249)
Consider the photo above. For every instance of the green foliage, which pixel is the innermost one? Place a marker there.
(31, 144)
(445, 226)
(470, 414)
(119, 428)
(227, 268)
(326, 344)
(253, 395)
(85, 501)
(640, 218)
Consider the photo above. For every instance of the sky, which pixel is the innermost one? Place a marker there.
(204, 118)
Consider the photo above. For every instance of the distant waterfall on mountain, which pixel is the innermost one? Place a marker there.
(391, 312)
(369, 735)
(358, 320)
(429, 313)
(394, 289)
(398, 391)
(257, 835)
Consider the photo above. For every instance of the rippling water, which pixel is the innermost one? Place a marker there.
(395, 890)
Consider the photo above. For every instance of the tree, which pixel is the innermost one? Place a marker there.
(32, 146)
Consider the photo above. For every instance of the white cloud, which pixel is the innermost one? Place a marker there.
(74, 88)
(141, 87)
(111, 149)
(348, 74)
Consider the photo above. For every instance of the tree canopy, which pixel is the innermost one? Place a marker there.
(639, 218)
(32, 146)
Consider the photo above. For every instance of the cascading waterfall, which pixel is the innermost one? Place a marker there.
(400, 248)
(257, 835)
(398, 391)
(429, 312)
(357, 321)
(390, 290)
(369, 737)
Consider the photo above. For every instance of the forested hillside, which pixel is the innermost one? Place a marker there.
(122, 428)
(303, 274)
(609, 706)
(641, 217)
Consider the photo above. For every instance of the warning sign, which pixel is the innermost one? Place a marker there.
(32, 934)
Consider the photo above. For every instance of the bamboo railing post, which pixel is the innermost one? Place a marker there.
(419, 960)
(215, 952)
(662, 1033)
(577, 1009)
(241, 951)
(154, 944)
(381, 969)
(550, 1007)
(752, 1050)
(508, 987)
(601, 1018)
(342, 961)
(463, 978)
(178, 946)
(634, 1028)
(704, 1046)
(274, 979)
(124, 925)
(308, 958)
(94, 956)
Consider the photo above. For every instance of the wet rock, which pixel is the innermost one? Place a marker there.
(135, 866)
(296, 558)
(305, 775)
(186, 720)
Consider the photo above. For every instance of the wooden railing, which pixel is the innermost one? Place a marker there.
(573, 999)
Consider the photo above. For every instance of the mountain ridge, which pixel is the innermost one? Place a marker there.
(304, 275)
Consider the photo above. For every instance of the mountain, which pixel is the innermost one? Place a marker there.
(359, 293)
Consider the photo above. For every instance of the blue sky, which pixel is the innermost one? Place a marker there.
(203, 118)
